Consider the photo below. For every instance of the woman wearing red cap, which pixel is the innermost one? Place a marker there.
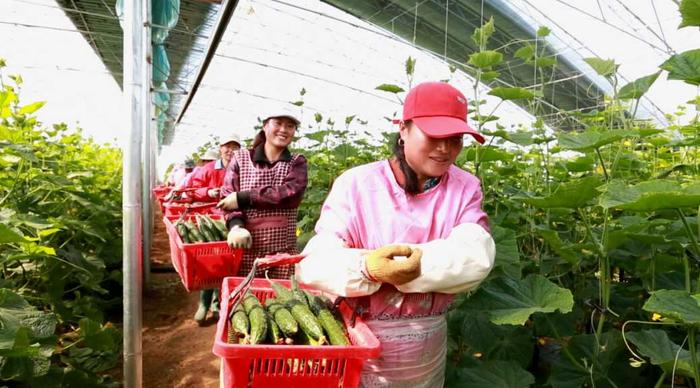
(398, 238)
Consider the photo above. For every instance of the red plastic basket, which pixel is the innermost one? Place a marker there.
(201, 265)
(290, 366)
(161, 191)
(175, 209)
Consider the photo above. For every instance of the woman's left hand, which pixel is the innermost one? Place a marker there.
(239, 237)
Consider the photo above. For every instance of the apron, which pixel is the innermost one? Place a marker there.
(413, 353)
(273, 230)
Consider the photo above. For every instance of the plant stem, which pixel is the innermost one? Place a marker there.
(696, 249)
(653, 271)
(602, 164)
(688, 230)
(686, 269)
(604, 269)
(660, 381)
(564, 349)
(693, 354)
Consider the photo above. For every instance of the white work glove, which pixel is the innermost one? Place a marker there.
(239, 237)
(229, 203)
(213, 193)
(170, 195)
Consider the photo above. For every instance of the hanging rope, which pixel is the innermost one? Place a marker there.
(634, 15)
(415, 23)
(447, 15)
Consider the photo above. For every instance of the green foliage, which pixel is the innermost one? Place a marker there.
(594, 227)
(676, 305)
(510, 301)
(571, 195)
(651, 195)
(684, 66)
(390, 88)
(594, 362)
(60, 250)
(511, 93)
(501, 374)
(485, 59)
(481, 35)
(690, 13)
(637, 88)
(661, 351)
(592, 138)
(604, 67)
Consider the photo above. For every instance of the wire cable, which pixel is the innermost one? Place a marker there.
(670, 50)
(303, 75)
(612, 26)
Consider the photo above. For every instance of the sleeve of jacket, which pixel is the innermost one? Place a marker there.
(197, 181)
(201, 183)
(232, 184)
(331, 264)
(454, 264)
(462, 260)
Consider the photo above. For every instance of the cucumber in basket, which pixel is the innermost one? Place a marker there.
(288, 320)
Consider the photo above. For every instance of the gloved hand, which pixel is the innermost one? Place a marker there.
(239, 238)
(176, 195)
(213, 193)
(169, 196)
(229, 203)
(382, 267)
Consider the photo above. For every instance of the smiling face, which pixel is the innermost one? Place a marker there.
(226, 150)
(429, 156)
(279, 131)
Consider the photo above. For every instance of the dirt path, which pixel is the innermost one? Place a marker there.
(176, 352)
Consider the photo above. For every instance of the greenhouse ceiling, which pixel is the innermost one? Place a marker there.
(441, 29)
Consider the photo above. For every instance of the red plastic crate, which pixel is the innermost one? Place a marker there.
(201, 265)
(161, 191)
(263, 366)
(175, 208)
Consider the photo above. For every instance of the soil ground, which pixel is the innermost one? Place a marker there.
(176, 351)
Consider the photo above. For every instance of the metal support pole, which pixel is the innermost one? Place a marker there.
(147, 151)
(135, 87)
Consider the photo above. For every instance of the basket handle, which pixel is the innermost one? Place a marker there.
(269, 261)
(174, 192)
(278, 259)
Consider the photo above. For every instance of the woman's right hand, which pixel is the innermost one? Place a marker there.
(381, 266)
(239, 237)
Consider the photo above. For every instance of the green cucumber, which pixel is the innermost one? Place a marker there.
(332, 327)
(257, 317)
(283, 317)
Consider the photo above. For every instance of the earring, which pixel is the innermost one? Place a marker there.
(401, 142)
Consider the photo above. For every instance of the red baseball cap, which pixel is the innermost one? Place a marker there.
(439, 110)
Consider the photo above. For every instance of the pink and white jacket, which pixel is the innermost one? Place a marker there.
(367, 209)
(209, 176)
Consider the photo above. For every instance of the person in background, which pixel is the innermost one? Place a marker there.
(209, 156)
(208, 182)
(209, 179)
(264, 186)
(179, 177)
(398, 238)
(176, 175)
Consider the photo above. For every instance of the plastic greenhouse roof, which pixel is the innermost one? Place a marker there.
(259, 67)
(340, 50)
